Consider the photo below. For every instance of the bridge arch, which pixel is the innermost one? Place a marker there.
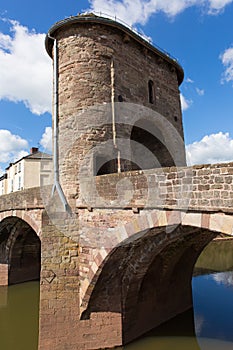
(147, 276)
(20, 249)
(31, 217)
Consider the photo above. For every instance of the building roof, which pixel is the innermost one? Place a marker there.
(2, 177)
(35, 155)
(38, 155)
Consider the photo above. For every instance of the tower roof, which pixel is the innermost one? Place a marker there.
(92, 18)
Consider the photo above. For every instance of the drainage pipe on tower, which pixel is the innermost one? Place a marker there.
(56, 184)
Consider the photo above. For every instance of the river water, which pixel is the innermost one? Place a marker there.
(212, 328)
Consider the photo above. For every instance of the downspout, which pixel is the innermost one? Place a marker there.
(113, 115)
(56, 183)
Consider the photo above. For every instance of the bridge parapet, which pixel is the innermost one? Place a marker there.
(31, 198)
(201, 187)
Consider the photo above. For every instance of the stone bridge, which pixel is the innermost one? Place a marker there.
(20, 231)
(120, 262)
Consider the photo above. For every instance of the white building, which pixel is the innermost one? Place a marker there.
(33, 170)
(3, 184)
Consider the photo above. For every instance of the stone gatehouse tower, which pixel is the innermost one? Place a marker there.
(116, 110)
(118, 102)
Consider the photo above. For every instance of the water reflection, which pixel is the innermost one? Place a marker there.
(213, 294)
(179, 343)
(213, 306)
(212, 312)
(168, 343)
(178, 333)
(213, 319)
(3, 296)
(225, 278)
(216, 257)
(19, 316)
(209, 326)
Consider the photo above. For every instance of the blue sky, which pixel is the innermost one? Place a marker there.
(196, 32)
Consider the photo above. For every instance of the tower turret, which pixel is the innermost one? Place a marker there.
(117, 101)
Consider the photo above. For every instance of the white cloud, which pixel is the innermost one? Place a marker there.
(25, 69)
(12, 147)
(214, 148)
(46, 139)
(1, 171)
(199, 323)
(130, 12)
(200, 92)
(227, 61)
(215, 6)
(189, 80)
(185, 104)
(224, 278)
(139, 11)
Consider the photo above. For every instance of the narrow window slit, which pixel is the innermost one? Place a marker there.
(151, 91)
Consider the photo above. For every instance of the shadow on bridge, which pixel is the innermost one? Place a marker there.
(20, 251)
(147, 278)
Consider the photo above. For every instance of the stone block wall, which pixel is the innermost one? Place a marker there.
(201, 187)
(99, 67)
(31, 198)
(3, 274)
(26, 205)
(178, 207)
(61, 326)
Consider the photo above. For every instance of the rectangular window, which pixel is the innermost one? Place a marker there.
(19, 169)
(19, 187)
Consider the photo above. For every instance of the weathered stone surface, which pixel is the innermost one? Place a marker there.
(120, 261)
(96, 68)
(3, 274)
(159, 188)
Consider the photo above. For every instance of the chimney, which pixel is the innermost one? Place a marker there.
(33, 150)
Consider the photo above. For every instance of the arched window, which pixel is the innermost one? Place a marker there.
(148, 147)
(105, 165)
(151, 91)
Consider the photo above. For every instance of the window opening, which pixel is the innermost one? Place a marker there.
(151, 91)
